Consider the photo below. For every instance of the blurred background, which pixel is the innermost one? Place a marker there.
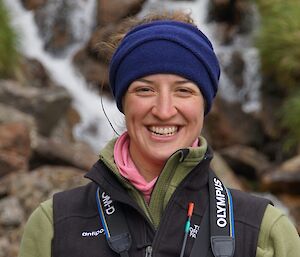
(52, 123)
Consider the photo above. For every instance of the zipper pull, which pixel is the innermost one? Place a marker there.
(148, 251)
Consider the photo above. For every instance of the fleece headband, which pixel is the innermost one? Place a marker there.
(165, 47)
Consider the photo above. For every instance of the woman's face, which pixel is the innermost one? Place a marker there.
(163, 113)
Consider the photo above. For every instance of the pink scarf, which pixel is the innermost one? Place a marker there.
(127, 168)
(129, 171)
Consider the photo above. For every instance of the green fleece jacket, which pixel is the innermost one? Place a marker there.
(277, 238)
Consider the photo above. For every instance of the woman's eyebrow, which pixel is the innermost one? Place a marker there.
(183, 81)
(177, 82)
(145, 81)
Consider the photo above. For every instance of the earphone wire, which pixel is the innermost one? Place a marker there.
(105, 114)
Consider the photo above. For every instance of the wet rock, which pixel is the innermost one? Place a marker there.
(34, 74)
(64, 129)
(270, 116)
(224, 11)
(293, 204)
(278, 182)
(9, 246)
(268, 119)
(33, 4)
(33, 187)
(292, 165)
(232, 16)
(4, 247)
(92, 60)
(225, 173)
(57, 152)
(15, 147)
(284, 178)
(47, 106)
(11, 212)
(55, 25)
(246, 161)
(228, 125)
(20, 195)
(112, 11)
(94, 71)
(235, 69)
(59, 29)
(9, 114)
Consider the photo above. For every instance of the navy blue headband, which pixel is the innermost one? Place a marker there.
(165, 47)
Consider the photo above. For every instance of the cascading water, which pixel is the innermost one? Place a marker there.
(94, 127)
(249, 94)
(77, 16)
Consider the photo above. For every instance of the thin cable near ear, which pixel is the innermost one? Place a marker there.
(103, 109)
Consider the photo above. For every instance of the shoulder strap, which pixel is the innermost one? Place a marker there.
(217, 225)
(114, 224)
(221, 218)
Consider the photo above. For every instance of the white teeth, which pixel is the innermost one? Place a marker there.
(164, 131)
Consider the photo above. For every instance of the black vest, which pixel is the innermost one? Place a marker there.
(78, 231)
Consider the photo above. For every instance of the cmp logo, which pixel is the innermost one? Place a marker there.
(108, 203)
(92, 233)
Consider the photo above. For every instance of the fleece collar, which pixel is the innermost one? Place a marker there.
(176, 169)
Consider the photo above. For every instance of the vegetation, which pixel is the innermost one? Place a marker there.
(290, 118)
(278, 43)
(8, 45)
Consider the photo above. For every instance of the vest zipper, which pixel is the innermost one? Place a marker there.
(171, 204)
(148, 251)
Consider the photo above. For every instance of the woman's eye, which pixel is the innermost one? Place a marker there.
(184, 91)
(144, 90)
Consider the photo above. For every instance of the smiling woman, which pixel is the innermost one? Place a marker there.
(169, 117)
(164, 76)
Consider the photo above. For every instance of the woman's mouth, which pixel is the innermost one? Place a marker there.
(164, 131)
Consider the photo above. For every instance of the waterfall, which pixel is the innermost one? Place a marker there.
(78, 16)
(94, 127)
(249, 94)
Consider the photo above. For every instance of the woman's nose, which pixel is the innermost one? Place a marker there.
(164, 107)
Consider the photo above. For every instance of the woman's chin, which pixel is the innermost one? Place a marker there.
(163, 152)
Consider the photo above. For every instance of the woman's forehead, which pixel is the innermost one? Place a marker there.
(156, 78)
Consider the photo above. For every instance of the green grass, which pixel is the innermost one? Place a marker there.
(290, 119)
(279, 46)
(279, 41)
(8, 45)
